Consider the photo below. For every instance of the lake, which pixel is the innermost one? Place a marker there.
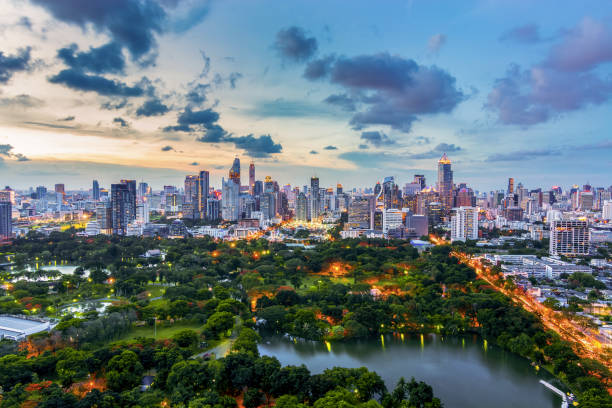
(464, 372)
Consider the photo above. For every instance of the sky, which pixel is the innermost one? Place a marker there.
(348, 91)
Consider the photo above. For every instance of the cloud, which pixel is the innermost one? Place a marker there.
(10, 64)
(262, 146)
(288, 108)
(293, 44)
(196, 95)
(582, 48)
(435, 152)
(233, 78)
(422, 140)
(152, 107)
(50, 125)
(314, 152)
(194, 164)
(121, 122)
(522, 155)
(22, 101)
(80, 81)
(343, 101)
(377, 138)
(436, 42)
(130, 23)
(115, 105)
(107, 58)
(6, 150)
(66, 119)
(202, 119)
(190, 18)
(167, 148)
(567, 79)
(526, 34)
(363, 146)
(319, 68)
(394, 91)
(330, 147)
(25, 22)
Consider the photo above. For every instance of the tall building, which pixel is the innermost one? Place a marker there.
(392, 218)
(360, 213)
(123, 205)
(586, 200)
(445, 183)
(59, 188)
(569, 237)
(315, 198)
(606, 210)
(301, 208)
(104, 217)
(6, 215)
(464, 224)
(95, 191)
(420, 180)
(510, 185)
(143, 190)
(435, 213)
(191, 189)
(234, 173)
(203, 194)
(41, 192)
(230, 200)
(8, 194)
(251, 178)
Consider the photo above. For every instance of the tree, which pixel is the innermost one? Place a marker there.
(188, 379)
(124, 371)
(186, 338)
(218, 323)
(71, 365)
(253, 398)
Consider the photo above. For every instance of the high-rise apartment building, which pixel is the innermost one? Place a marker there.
(6, 215)
(230, 200)
(251, 177)
(234, 173)
(301, 207)
(569, 237)
(606, 210)
(203, 194)
(360, 213)
(510, 186)
(464, 224)
(95, 191)
(445, 183)
(123, 205)
(315, 198)
(392, 218)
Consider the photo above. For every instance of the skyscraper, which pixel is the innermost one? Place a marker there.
(510, 186)
(445, 183)
(420, 179)
(234, 173)
(230, 200)
(251, 177)
(191, 189)
(123, 205)
(202, 194)
(315, 198)
(95, 191)
(59, 189)
(6, 214)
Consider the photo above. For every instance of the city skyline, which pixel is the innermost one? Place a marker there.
(199, 83)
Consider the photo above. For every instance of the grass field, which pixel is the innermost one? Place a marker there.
(163, 332)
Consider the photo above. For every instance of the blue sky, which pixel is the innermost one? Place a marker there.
(349, 91)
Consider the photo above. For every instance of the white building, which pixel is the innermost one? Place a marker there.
(92, 228)
(569, 237)
(464, 224)
(606, 210)
(392, 218)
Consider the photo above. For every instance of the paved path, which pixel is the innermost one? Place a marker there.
(223, 349)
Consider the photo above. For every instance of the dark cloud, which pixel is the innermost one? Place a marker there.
(191, 18)
(152, 107)
(206, 68)
(314, 152)
(377, 138)
(262, 146)
(293, 44)
(25, 22)
(10, 64)
(343, 101)
(107, 58)
(436, 42)
(167, 148)
(80, 81)
(121, 122)
(521, 155)
(364, 146)
(567, 80)
(330, 147)
(393, 90)
(437, 151)
(196, 95)
(130, 23)
(421, 140)
(319, 68)
(527, 34)
(66, 119)
(115, 105)
(22, 101)
(6, 150)
(233, 78)
(194, 164)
